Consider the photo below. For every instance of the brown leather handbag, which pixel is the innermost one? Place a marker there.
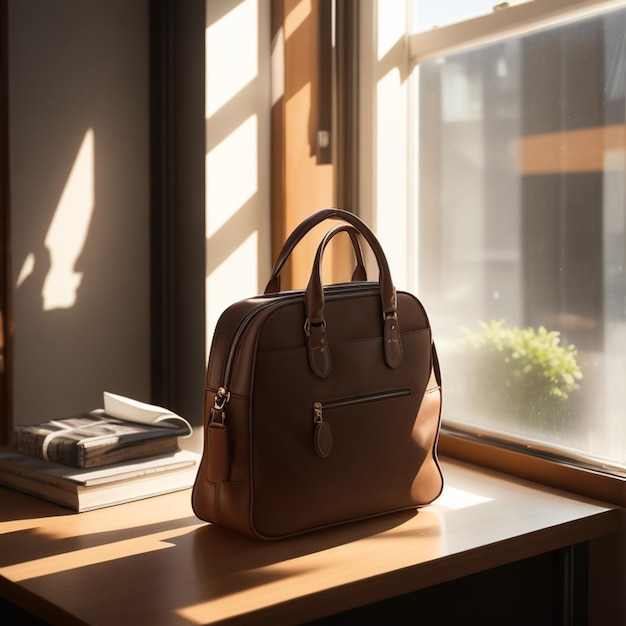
(322, 406)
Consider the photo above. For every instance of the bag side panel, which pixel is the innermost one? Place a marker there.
(227, 502)
(211, 500)
(428, 483)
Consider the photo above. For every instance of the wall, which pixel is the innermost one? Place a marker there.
(78, 83)
(107, 148)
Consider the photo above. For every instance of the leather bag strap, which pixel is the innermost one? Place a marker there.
(359, 274)
(319, 354)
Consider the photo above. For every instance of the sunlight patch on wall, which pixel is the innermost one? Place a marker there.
(232, 165)
(296, 16)
(234, 279)
(391, 25)
(231, 174)
(392, 171)
(277, 74)
(234, 38)
(232, 254)
(27, 269)
(68, 230)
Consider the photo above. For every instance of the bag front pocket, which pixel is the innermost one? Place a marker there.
(323, 436)
(370, 466)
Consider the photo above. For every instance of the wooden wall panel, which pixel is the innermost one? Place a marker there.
(301, 185)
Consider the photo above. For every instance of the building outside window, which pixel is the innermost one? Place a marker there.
(521, 233)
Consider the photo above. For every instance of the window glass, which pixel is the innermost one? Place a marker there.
(429, 14)
(522, 238)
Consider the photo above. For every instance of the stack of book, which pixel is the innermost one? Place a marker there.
(127, 451)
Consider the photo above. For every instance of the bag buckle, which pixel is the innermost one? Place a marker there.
(307, 326)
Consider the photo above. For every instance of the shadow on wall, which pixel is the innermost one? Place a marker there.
(78, 79)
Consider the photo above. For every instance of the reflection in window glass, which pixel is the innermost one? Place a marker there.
(523, 233)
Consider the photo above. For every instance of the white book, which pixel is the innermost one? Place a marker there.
(87, 489)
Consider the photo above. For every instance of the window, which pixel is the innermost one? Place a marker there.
(521, 233)
(498, 142)
(429, 14)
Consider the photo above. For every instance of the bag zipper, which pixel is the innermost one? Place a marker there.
(322, 434)
(319, 407)
(223, 395)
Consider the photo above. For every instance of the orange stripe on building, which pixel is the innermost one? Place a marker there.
(581, 150)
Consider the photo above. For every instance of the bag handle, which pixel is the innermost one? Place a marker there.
(315, 325)
(359, 274)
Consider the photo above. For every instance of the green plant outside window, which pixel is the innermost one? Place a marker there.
(530, 375)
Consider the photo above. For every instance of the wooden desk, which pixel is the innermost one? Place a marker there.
(152, 562)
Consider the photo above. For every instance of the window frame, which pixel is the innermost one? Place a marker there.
(508, 21)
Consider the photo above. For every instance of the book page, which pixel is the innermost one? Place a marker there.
(135, 411)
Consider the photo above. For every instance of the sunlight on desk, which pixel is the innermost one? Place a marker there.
(453, 498)
(63, 567)
(74, 559)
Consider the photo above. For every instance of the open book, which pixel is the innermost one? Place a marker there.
(143, 413)
(124, 429)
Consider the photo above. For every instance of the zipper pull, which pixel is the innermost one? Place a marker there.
(322, 437)
(217, 444)
(217, 439)
(221, 400)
